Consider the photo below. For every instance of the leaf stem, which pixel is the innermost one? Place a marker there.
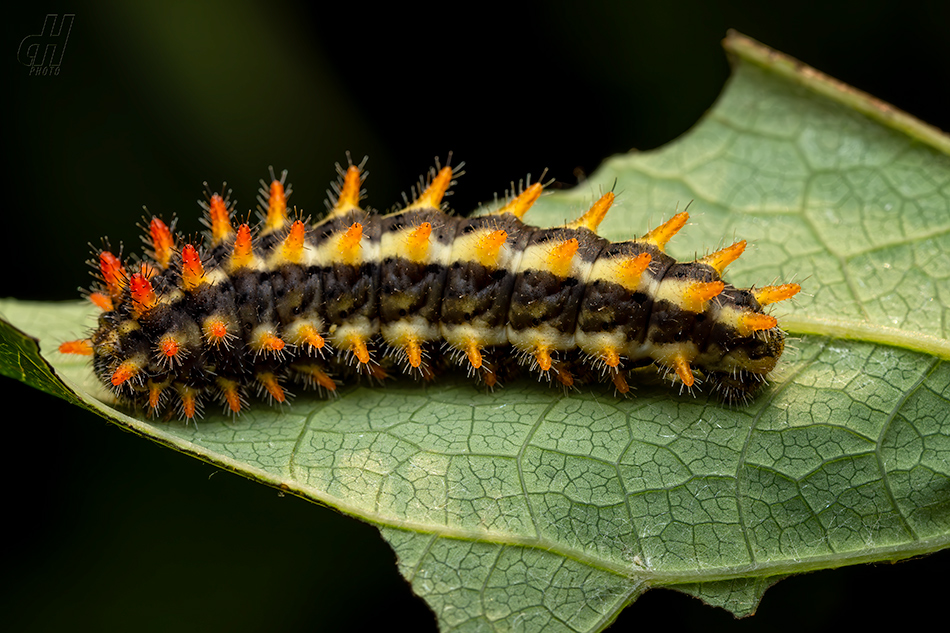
(802, 74)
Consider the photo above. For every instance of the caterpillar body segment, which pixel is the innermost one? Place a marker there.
(358, 292)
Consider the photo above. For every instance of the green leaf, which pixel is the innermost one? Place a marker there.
(526, 509)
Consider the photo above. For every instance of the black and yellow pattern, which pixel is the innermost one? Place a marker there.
(357, 291)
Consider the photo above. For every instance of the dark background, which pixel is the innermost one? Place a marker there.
(109, 532)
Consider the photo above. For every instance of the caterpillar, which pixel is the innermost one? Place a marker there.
(360, 293)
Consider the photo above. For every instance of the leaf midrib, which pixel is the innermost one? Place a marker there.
(865, 332)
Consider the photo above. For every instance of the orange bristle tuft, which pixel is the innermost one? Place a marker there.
(220, 219)
(665, 232)
(143, 296)
(543, 356)
(358, 349)
(698, 294)
(474, 353)
(432, 196)
(561, 256)
(292, 246)
(189, 401)
(592, 219)
(125, 371)
(631, 269)
(192, 272)
(169, 346)
(163, 242)
(417, 242)
(414, 353)
(489, 246)
(243, 253)
(755, 322)
(681, 366)
(323, 380)
(154, 395)
(231, 394)
(101, 301)
(349, 243)
(215, 331)
(307, 334)
(269, 380)
(620, 381)
(313, 373)
(276, 207)
(720, 259)
(774, 294)
(113, 273)
(522, 203)
(565, 377)
(269, 342)
(349, 199)
(82, 347)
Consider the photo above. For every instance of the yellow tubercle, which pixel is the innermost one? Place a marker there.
(414, 353)
(291, 249)
(682, 369)
(620, 381)
(489, 246)
(276, 208)
(611, 358)
(592, 219)
(307, 334)
(232, 395)
(754, 322)
(317, 375)
(163, 242)
(431, 198)
(82, 347)
(192, 272)
(101, 301)
(720, 259)
(474, 352)
(523, 202)
(543, 356)
(358, 348)
(215, 330)
(349, 199)
(269, 381)
(561, 256)
(155, 395)
(113, 273)
(220, 220)
(348, 244)
(417, 243)
(698, 294)
(243, 253)
(127, 370)
(630, 269)
(774, 294)
(665, 232)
